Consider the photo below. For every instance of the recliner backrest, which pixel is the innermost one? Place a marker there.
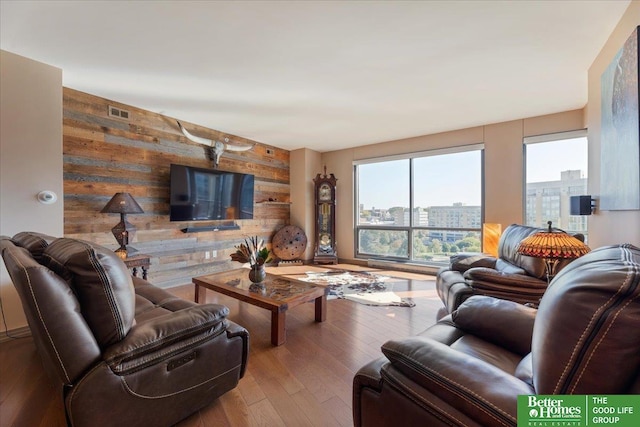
(508, 250)
(34, 242)
(586, 338)
(102, 284)
(64, 340)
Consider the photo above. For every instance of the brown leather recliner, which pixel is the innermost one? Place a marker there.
(511, 276)
(123, 351)
(469, 368)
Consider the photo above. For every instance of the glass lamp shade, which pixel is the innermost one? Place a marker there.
(552, 246)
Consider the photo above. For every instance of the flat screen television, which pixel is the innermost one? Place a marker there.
(199, 194)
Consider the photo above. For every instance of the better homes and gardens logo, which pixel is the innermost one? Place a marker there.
(556, 410)
(579, 410)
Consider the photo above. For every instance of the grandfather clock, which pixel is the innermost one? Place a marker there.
(325, 194)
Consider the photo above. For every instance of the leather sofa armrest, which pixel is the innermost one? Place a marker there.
(504, 323)
(369, 375)
(452, 288)
(480, 390)
(464, 261)
(161, 337)
(488, 276)
(235, 330)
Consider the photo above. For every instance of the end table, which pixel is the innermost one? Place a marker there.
(139, 260)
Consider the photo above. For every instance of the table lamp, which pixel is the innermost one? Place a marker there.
(552, 246)
(123, 203)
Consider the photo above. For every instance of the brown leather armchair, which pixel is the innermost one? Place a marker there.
(510, 276)
(123, 351)
(469, 368)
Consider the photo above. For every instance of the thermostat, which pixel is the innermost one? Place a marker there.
(47, 197)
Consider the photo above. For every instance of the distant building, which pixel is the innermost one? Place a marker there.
(456, 216)
(549, 201)
(374, 216)
(420, 217)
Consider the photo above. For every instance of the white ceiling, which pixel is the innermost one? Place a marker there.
(319, 74)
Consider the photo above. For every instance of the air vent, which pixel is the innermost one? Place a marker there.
(119, 113)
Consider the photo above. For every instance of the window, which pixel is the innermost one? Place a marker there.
(556, 169)
(421, 207)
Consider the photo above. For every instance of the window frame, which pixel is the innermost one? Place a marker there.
(358, 254)
(551, 137)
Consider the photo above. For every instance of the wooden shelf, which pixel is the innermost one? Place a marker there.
(266, 202)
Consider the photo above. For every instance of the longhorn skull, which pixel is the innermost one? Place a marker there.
(217, 147)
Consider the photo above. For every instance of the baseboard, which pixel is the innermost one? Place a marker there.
(15, 333)
(401, 266)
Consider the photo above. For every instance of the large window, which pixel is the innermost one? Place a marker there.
(424, 207)
(556, 169)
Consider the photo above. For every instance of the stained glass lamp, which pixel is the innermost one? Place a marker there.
(552, 246)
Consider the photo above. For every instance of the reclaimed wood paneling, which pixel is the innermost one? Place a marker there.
(104, 155)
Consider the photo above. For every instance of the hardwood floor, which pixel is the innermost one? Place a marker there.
(305, 382)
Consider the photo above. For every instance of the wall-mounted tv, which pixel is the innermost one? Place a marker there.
(199, 194)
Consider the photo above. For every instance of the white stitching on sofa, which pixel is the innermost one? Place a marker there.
(579, 344)
(416, 397)
(193, 340)
(74, 390)
(116, 313)
(582, 371)
(76, 387)
(460, 386)
(126, 385)
(40, 313)
(108, 291)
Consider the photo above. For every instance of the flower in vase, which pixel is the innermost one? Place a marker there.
(252, 251)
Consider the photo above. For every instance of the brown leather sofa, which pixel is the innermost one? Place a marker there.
(511, 276)
(469, 368)
(123, 351)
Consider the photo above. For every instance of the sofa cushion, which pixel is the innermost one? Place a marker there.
(463, 261)
(152, 302)
(508, 268)
(34, 242)
(102, 284)
(472, 318)
(508, 250)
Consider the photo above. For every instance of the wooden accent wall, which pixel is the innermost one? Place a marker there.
(104, 155)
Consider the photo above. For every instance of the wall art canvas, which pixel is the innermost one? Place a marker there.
(620, 138)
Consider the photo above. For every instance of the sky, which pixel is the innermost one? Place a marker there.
(435, 177)
(456, 178)
(551, 158)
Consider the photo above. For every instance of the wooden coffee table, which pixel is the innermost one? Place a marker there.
(276, 293)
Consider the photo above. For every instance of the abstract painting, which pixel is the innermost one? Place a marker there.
(620, 137)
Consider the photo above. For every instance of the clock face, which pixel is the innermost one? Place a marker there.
(324, 193)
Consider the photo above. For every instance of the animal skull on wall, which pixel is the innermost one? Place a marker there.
(217, 147)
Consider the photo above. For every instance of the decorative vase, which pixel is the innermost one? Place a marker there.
(257, 274)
